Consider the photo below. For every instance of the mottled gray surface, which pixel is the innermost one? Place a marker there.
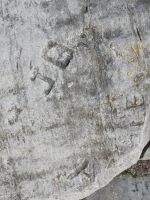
(124, 188)
(74, 94)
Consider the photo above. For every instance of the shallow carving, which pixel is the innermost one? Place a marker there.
(57, 54)
(47, 80)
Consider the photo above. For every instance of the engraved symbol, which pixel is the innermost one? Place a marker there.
(35, 74)
(57, 54)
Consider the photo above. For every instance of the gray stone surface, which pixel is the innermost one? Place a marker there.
(74, 95)
(124, 188)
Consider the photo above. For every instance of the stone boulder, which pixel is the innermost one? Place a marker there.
(74, 95)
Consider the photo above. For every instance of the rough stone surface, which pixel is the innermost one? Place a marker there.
(74, 95)
(124, 188)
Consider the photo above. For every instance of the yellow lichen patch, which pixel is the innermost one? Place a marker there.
(122, 54)
(129, 73)
(140, 47)
(149, 45)
(131, 60)
(135, 79)
(136, 102)
(135, 51)
(138, 69)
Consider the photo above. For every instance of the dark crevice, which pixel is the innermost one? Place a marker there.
(17, 66)
(139, 35)
(145, 149)
(86, 9)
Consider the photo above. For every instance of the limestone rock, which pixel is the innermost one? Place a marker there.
(74, 95)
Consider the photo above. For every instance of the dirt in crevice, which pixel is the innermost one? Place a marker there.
(141, 168)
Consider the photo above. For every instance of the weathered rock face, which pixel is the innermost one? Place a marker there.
(74, 94)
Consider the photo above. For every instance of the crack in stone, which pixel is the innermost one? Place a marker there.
(145, 150)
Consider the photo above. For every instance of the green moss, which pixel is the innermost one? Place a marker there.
(129, 173)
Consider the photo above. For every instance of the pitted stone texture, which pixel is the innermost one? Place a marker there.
(74, 112)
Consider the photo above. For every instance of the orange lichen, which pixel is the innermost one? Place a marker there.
(135, 51)
(136, 102)
(140, 47)
(129, 73)
(122, 54)
(131, 60)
